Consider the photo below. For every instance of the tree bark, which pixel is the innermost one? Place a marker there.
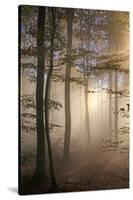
(110, 104)
(40, 157)
(110, 88)
(85, 76)
(86, 109)
(47, 95)
(66, 152)
(116, 108)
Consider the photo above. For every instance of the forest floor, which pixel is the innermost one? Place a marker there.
(87, 172)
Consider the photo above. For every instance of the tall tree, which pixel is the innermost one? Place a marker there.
(110, 93)
(40, 159)
(53, 27)
(47, 95)
(70, 14)
(86, 77)
(115, 49)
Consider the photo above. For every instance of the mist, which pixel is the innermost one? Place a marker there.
(88, 132)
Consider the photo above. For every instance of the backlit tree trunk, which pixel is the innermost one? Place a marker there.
(40, 157)
(116, 107)
(47, 95)
(110, 104)
(67, 138)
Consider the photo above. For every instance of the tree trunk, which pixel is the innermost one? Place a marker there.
(110, 104)
(66, 152)
(86, 78)
(47, 95)
(116, 108)
(116, 49)
(87, 131)
(40, 160)
(110, 88)
(86, 109)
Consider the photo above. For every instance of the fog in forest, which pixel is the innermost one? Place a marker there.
(88, 106)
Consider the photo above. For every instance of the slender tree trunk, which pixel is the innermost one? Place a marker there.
(40, 160)
(86, 109)
(47, 90)
(85, 90)
(116, 49)
(110, 43)
(110, 104)
(110, 90)
(67, 138)
(101, 107)
(116, 108)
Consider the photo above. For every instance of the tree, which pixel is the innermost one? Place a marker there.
(47, 95)
(70, 14)
(40, 157)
